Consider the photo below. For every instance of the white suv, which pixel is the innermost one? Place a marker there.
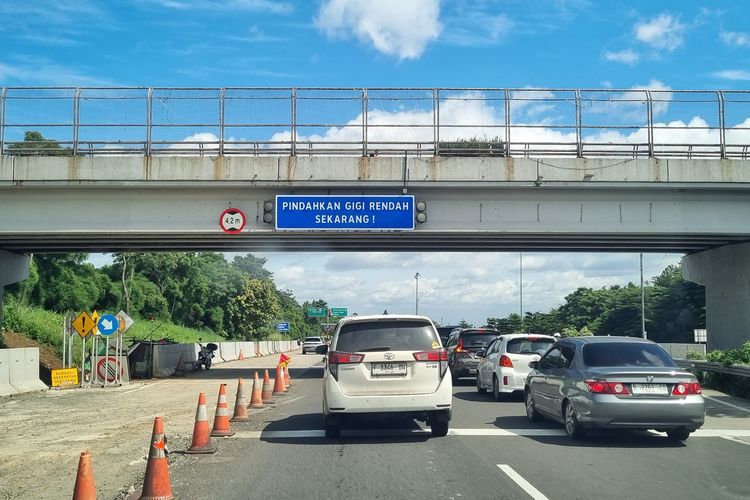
(505, 362)
(387, 364)
(311, 343)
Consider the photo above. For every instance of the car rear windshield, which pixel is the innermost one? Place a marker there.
(476, 341)
(386, 336)
(529, 346)
(312, 339)
(625, 354)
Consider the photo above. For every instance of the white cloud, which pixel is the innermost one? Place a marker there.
(42, 71)
(394, 27)
(627, 56)
(225, 5)
(733, 74)
(735, 39)
(664, 32)
(477, 29)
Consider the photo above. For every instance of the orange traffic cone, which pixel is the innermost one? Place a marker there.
(283, 378)
(266, 394)
(221, 418)
(201, 434)
(256, 399)
(240, 404)
(156, 484)
(84, 488)
(278, 383)
(242, 355)
(287, 377)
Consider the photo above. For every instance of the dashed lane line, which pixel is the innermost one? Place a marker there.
(520, 481)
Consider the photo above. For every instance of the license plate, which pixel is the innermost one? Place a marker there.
(648, 389)
(388, 369)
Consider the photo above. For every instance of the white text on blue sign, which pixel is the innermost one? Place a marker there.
(346, 213)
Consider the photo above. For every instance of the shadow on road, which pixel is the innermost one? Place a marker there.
(611, 439)
(521, 422)
(356, 429)
(487, 397)
(313, 372)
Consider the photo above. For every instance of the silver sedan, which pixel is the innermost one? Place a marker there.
(613, 382)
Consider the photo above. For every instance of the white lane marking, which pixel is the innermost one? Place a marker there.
(727, 403)
(144, 386)
(735, 439)
(520, 481)
(316, 433)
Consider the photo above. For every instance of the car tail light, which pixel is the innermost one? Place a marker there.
(460, 346)
(505, 361)
(436, 355)
(342, 358)
(686, 388)
(604, 387)
(439, 355)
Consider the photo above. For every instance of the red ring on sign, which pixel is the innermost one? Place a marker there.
(232, 211)
(109, 360)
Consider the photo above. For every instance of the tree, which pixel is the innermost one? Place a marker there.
(252, 311)
(475, 146)
(252, 266)
(34, 144)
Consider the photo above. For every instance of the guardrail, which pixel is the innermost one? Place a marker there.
(628, 123)
(711, 366)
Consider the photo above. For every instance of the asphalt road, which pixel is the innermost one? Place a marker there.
(492, 451)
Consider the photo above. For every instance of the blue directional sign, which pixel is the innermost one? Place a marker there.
(344, 213)
(282, 327)
(107, 325)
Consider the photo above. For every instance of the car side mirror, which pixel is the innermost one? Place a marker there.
(480, 353)
(321, 349)
(534, 365)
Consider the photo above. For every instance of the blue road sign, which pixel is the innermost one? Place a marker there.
(282, 327)
(344, 213)
(107, 325)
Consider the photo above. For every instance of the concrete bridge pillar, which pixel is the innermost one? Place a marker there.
(725, 272)
(13, 268)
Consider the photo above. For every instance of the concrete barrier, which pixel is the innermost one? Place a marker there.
(5, 388)
(167, 356)
(681, 350)
(229, 351)
(23, 364)
(248, 349)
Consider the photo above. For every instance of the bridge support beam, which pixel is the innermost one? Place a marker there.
(13, 268)
(725, 272)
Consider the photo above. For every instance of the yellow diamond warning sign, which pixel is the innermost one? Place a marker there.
(83, 324)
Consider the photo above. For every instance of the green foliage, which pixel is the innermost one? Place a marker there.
(33, 322)
(252, 312)
(464, 324)
(698, 356)
(475, 146)
(34, 144)
(569, 331)
(732, 384)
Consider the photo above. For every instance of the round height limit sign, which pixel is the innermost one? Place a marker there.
(232, 220)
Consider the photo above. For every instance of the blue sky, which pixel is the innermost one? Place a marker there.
(395, 43)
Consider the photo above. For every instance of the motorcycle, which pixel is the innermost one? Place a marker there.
(205, 355)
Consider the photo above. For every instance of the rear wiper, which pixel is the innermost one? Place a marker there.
(378, 348)
(528, 352)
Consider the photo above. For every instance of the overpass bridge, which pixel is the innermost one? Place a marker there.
(496, 169)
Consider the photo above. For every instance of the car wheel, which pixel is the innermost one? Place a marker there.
(678, 434)
(438, 427)
(531, 412)
(572, 428)
(480, 389)
(496, 395)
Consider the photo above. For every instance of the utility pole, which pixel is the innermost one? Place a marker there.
(520, 284)
(643, 304)
(416, 277)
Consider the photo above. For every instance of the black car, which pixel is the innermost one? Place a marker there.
(444, 332)
(462, 348)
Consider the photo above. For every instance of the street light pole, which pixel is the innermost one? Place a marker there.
(643, 304)
(520, 283)
(416, 277)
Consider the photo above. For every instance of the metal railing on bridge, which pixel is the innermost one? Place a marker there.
(628, 123)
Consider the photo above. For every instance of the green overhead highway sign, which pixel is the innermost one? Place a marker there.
(339, 312)
(316, 312)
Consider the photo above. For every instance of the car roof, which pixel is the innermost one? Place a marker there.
(526, 335)
(488, 331)
(606, 339)
(382, 317)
